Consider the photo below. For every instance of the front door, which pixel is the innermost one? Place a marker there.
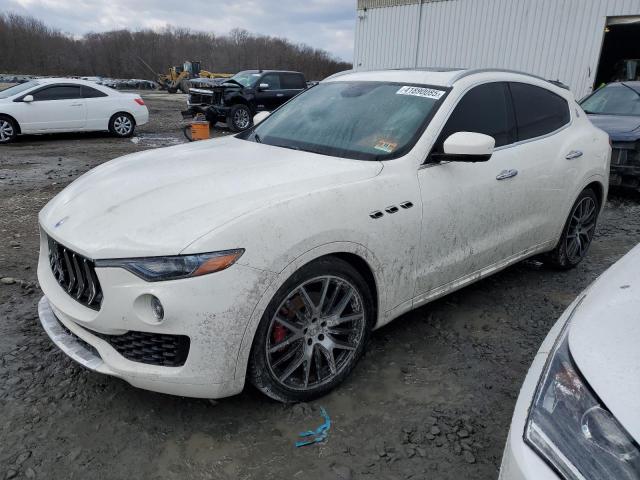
(270, 96)
(470, 210)
(54, 108)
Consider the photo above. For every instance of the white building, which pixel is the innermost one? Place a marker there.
(579, 42)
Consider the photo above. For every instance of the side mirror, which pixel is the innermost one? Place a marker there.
(466, 147)
(259, 117)
(263, 86)
(28, 99)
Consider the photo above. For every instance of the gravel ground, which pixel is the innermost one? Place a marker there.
(432, 398)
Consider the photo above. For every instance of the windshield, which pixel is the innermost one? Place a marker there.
(16, 89)
(246, 79)
(359, 120)
(614, 99)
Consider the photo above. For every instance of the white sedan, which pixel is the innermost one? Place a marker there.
(67, 105)
(577, 414)
(271, 255)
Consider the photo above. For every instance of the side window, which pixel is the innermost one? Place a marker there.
(88, 92)
(484, 109)
(292, 81)
(59, 92)
(538, 111)
(273, 79)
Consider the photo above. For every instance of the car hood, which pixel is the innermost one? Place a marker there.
(604, 340)
(619, 127)
(157, 202)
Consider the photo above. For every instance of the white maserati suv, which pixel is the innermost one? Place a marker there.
(271, 255)
(54, 105)
(577, 414)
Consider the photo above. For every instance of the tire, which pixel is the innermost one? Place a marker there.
(8, 130)
(578, 231)
(309, 332)
(239, 118)
(172, 90)
(122, 125)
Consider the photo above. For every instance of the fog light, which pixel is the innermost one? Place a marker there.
(158, 310)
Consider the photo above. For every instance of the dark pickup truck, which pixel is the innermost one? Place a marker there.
(237, 99)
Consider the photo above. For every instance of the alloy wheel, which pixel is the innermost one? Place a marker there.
(581, 229)
(6, 131)
(315, 332)
(122, 125)
(241, 119)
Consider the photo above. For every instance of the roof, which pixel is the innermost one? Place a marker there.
(427, 76)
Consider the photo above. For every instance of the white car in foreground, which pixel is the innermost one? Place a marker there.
(53, 105)
(577, 416)
(274, 253)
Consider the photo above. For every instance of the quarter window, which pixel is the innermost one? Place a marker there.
(88, 92)
(484, 109)
(59, 92)
(538, 111)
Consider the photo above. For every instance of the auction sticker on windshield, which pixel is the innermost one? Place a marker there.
(421, 92)
(386, 146)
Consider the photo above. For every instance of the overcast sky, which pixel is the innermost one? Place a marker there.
(326, 24)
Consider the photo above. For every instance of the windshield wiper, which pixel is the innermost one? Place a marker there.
(257, 138)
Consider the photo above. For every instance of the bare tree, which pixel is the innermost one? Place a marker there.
(31, 47)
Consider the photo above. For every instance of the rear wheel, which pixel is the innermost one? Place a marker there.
(313, 332)
(578, 232)
(8, 130)
(122, 125)
(239, 118)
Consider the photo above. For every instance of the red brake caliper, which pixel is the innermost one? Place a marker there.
(279, 333)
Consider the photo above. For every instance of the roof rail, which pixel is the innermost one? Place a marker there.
(474, 71)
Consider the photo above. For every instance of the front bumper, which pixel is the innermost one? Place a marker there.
(212, 310)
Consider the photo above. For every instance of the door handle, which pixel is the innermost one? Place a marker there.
(504, 174)
(76, 104)
(279, 94)
(573, 154)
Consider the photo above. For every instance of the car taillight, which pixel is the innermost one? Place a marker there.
(139, 101)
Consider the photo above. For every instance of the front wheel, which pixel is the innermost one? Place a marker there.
(313, 332)
(239, 118)
(8, 130)
(122, 125)
(578, 232)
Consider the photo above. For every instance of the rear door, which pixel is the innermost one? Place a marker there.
(544, 142)
(291, 85)
(54, 108)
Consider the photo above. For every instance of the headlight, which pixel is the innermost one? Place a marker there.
(155, 269)
(572, 429)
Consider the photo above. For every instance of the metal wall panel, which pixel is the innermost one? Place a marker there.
(556, 39)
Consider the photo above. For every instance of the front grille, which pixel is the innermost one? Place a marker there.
(150, 348)
(625, 154)
(199, 99)
(75, 274)
(217, 97)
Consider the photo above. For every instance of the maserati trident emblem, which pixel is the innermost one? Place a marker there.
(60, 222)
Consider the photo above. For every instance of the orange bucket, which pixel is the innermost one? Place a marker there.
(199, 130)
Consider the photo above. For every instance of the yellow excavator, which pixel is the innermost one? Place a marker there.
(177, 78)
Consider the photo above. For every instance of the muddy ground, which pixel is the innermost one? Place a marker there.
(432, 398)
